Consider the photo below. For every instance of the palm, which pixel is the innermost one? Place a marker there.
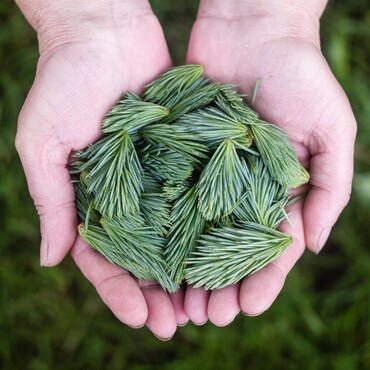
(298, 93)
(78, 82)
(75, 86)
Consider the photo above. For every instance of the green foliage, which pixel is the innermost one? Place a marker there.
(173, 189)
(212, 126)
(84, 201)
(114, 174)
(264, 200)
(233, 104)
(155, 211)
(221, 183)
(200, 95)
(166, 163)
(133, 238)
(131, 114)
(278, 155)
(224, 256)
(176, 138)
(174, 85)
(186, 225)
(150, 183)
(96, 236)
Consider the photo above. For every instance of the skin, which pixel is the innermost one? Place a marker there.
(297, 92)
(91, 53)
(80, 74)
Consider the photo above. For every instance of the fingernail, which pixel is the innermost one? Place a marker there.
(323, 237)
(44, 251)
(136, 327)
(200, 323)
(163, 339)
(181, 325)
(252, 314)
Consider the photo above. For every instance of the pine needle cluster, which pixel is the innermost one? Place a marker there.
(187, 184)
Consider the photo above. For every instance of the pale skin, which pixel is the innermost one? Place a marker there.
(91, 54)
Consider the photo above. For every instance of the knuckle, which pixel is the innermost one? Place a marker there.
(110, 288)
(344, 200)
(148, 284)
(44, 207)
(19, 142)
(25, 144)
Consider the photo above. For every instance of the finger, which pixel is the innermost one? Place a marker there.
(331, 171)
(196, 303)
(118, 290)
(161, 319)
(44, 161)
(177, 300)
(223, 305)
(259, 291)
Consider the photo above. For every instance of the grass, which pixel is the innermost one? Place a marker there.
(53, 318)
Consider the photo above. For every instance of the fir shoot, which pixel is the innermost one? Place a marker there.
(97, 237)
(174, 137)
(171, 87)
(114, 175)
(143, 246)
(221, 183)
(164, 163)
(225, 256)
(186, 226)
(155, 211)
(213, 125)
(131, 114)
(264, 200)
(278, 155)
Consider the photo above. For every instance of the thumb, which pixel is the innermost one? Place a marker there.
(331, 171)
(44, 160)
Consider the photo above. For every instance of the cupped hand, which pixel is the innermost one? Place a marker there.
(80, 75)
(299, 93)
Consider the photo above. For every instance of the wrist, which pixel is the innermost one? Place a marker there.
(275, 18)
(61, 22)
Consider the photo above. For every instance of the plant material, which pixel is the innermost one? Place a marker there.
(187, 224)
(225, 255)
(187, 184)
(221, 182)
(278, 155)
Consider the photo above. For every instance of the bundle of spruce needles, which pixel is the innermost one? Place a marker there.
(187, 184)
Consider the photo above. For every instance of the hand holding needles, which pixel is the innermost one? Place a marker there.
(187, 183)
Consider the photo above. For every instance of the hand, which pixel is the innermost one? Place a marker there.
(297, 92)
(89, 57)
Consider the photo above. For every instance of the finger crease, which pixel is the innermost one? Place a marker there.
(120, 275)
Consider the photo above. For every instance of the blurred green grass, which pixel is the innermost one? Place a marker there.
(53, 318)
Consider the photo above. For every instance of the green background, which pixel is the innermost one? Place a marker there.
(53, 318)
